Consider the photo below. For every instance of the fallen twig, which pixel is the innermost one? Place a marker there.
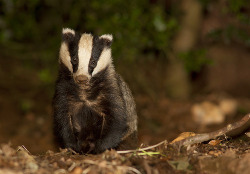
(198, 138)
(142, 149)
(23, 148)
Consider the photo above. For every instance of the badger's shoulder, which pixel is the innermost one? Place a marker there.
(127, 95)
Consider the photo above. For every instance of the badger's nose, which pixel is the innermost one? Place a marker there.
(81, 79)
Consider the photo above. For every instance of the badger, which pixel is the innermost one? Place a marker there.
(93, 108)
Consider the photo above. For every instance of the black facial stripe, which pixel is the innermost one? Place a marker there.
(97, 48)
(95, 54)
(73, 42)
(67, 37)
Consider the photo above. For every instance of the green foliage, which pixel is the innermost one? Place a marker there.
(240, 9)
(45, 76)
(26, 105)
(236, 7)
(141, 28)
(194, 60)
(238, 28)
(230, 34)
(136, 25)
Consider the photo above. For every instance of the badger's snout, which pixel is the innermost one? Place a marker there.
(81, 79)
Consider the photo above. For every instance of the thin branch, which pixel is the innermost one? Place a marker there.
(134, 170)
(23, 148)
(212, 135)
(143, 149)
(198, 138)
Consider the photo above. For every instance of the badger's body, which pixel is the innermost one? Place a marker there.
(93, 107)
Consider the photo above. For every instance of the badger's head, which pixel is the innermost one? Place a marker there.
(84, 54)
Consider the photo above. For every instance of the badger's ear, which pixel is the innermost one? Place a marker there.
(107, 38)
(67, 34)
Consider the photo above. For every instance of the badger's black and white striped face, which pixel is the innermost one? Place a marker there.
(85, 54)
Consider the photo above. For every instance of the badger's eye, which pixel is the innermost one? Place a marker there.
(74, 60)
(93, 62)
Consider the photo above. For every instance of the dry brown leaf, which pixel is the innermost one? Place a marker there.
(215, 153)
(76, 170)
(182, 136)
(7, 150)
(103, 164)
(214, 142)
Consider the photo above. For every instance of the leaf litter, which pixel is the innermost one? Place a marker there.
(228, 156)
(213, 152)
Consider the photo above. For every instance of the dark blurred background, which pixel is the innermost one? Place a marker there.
(172, 53)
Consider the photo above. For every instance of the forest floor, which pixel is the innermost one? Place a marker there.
(225, 155)
(26, 139)
(229, 156)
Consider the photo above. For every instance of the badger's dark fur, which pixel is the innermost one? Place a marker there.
(93, 107)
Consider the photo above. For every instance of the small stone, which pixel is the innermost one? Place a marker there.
(247, 134)
(207, 113)
(32, 166)
(228, 106)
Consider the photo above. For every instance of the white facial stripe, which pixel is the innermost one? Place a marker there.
(65, 56)
(107, 36)
(84, 54)
(104, 60)
(68, 30)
